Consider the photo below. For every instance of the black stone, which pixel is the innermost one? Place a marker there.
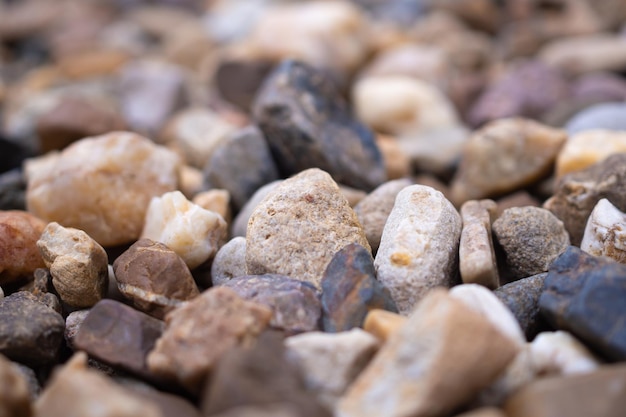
(13, 190)
(11, 155)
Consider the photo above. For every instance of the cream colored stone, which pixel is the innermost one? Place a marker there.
(190, 181)
(588, 147)
(605, 233)
(560, 353)
(189, 230)
(216, 200)
(477, 259)
(103, 185)
(230, 261)
(382, 323)
(419, 246)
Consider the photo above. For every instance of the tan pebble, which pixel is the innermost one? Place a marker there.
(588, 147)
(230, 261)
(216, 200)
(190, 181)
(397, 162)
(19, 255)
(477, 259)
(382, 323)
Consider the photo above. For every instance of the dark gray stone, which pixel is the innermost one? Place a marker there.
(238, 80)
(12, 190)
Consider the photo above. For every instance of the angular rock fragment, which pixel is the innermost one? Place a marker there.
(605, 233)
(477, 259)
(19, 260)
(14, 391)
(230, 261)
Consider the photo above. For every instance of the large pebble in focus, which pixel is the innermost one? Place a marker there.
(102, 185)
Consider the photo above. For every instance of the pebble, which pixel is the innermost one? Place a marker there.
(350, 290)
(199, 332)
(19, 261)
(77, 263)
(240, 224)
(215, 200)
(409, 374)
(604, 233)
(186, 228)
(503, 156)
(295, 304)
(397, 162)
(102, 185)
(73, 321)
(307, 124)
(154, 278)
(30, 331)
(588, 147)
(15, 397)
(299, 226)
(608, 116)
(477, 259)
(419, 246)
(13, 190)
(330, 362)
(374, 209)
(383, 323)
(190, 181)
(584, 294)
(229, 262)
(561, 353)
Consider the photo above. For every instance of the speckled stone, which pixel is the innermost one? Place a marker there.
(240, 223)
(19, 255)
(604, 233)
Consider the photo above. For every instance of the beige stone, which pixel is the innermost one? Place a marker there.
(189, 230)
(190, 181)
(353, 195)
(77, 263)
(240, 224)
(14, 392)
(230, 261)
(216, 200)
(419, 246)
(443, 356)
(19, 260)
(103, 185)
(588, 147)
(477, 259)
(561, 353)
(299, 226)
(605, 233)
(382, 323)
(397, 163)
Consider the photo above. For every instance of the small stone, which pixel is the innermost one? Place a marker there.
(419, 246)
(330, 362)
(560, 353)
(14, 391)
(41, 286)
(31, 332)
(410, 374)
(374, 209)
(353, 195)
(584, 294)
(119, 336)
(240, 224)
(587, 148)
(604, 116)
(477, 259)
(215, 200)
(531, 238)
(103, 185)
(199, 332)
(295, 304)
(13, 190)
(383, 324)
(397, 162)
(73, 321)
(186, 228)
(503, 156)
(307, 124)
(248, 148)
(77, 263)
(604, 234)
(599, 393)
(229, 262)
(77, 390)
(190, 181)
(299, 226)
(19, 255)
(350, 290)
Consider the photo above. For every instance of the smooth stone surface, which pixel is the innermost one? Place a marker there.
(299, 226)
(350, 290)
(609, 116)
(383, 324)
(13, 190)
(15, 397)
(154, 278)
(295, 304)
(605, 233)
(586, 148)
(419, 246)
(477, 259)
(103, 185)
(77, 263)
(307, 124)
(229, 262)
(240, 223)
(19, 255)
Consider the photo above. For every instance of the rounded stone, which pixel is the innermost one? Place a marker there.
(230, 261)
(19, 255)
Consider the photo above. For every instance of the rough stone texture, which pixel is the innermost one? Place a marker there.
(531, 238)
(186, 228)
(605, 232)
(295, 304)
(240, 224)
(522, 298)
(259, 376)
(330, 362)
(443, 356)
(198, 333)
(215, 200)
(419, 246)
(14, 391)
(477, 259)
(154, 277)
(350, 290)
(584, 294)
(230, 261)
(608, 116)
(299, 226)
(505, 155)
(13, 190)
(119, 336)
(307, 124)
(19, 255)
(76, 390)
(576, 194)
(382, 323)
(30, 332)
(250, 150)
(77, 263)
(374, 209)
(102, 185)
(73, 321)
(587, 148)
(600, 393)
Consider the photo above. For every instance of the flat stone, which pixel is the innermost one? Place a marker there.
(77, 263)
(30, 332)
(531, 238)
(299, 226)
(240, 224)
(103, 185)
(441, 358)
(419, 246)
(477, 259)
(382, 323)
(350, 290)
(154, 278)
(199, 332)
(19, 255)
(13, 190)
(606, 116)
(604, 233)
(587, 148)
(584, 295)
(307, 124)
(295, 304)
(229, 262)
